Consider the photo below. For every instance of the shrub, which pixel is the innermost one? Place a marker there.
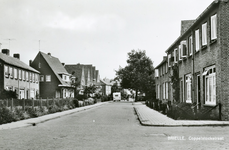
(6, 116)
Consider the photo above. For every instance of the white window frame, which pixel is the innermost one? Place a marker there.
(169, 61)
(188, 89)
(183, 48)
(204, 34)
(6, 70)
(15, 73)
(197, 39)
(48, 78)
(11, 72)
(180, 52)
(23, 75)
(41, 78)
(27, 76)
(210, 85)
(19, 74)
(158, 90)
(166, 90)
(214, 27)
(156, 73)
(190, 45)
(175, 55)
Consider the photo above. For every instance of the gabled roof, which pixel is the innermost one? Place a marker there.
(16, 62)
(163, 61)
(56, 66)
(105, 83)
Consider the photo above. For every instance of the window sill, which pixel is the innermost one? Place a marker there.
(213, 41)
(209, 105)
(204, 47)
(197, 51)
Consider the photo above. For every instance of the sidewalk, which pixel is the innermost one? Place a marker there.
(34, 121)
(150, 117)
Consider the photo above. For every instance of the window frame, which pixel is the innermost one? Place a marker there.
(42, 77)
(214, 27)
(47, 78)
(197, 40)
(204, 34)
(210, 85)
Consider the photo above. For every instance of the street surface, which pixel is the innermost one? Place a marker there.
(112, 126)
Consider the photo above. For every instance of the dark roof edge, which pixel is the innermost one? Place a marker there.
(215, 2)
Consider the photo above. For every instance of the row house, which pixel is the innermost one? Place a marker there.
(201, 56)
(55, 81)
(17, 76)
(85, 74)
(162, 81)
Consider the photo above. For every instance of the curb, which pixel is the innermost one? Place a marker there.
(178, 123)
(42, 119)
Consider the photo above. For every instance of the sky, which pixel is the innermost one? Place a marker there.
(97, 32)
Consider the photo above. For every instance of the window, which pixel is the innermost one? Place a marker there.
(188, 88)
(183, 49)
(158, 91)
(11, 72)
(210, 85)
(190, 46)
(27, 76)
(6, 70)
(15, 73)
(23, 75)
(214, 27)
(197, 39)
(204, 34)
(169, 60)
(36, 78)
(30, 76)
(180, 54)
(48, 78)
(163, 90)
(175, 55)
(156, 73)
(19, 74)
(166, 90)
(41, 78)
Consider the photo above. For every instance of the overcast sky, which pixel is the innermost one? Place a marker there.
(97, 32)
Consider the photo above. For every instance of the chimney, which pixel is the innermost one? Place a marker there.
(6, 51)
(49, 54)
(63, 64)
(185, 24)
(17, 56)
(30, 62)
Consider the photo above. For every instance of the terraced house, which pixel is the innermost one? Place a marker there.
(55, 81)
(17, 76)
(201, 56)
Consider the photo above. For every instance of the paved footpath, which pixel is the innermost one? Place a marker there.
(150, 117)
(34, 121)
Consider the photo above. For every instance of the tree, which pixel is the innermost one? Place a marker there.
(138, 74)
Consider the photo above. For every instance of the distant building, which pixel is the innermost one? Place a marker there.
(17, 76)
(106, 87)
(55, 81)
(86, 74)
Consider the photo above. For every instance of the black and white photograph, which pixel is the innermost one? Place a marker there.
(114, 74)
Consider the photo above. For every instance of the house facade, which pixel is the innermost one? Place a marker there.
(55, 81)
(200, 55)
(162, 82)
(86, 74)
(106, 87)
(17, 76)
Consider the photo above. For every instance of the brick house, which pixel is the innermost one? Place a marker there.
(55, 81)
(162, 81)
(201, 56)
(17, 76)
(86, 74)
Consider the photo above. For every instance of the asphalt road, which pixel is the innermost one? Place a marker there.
(111, 126)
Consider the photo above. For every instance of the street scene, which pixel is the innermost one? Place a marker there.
(123, 74)
(113, 125)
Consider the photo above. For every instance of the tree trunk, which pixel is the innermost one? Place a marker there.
(136, 96)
